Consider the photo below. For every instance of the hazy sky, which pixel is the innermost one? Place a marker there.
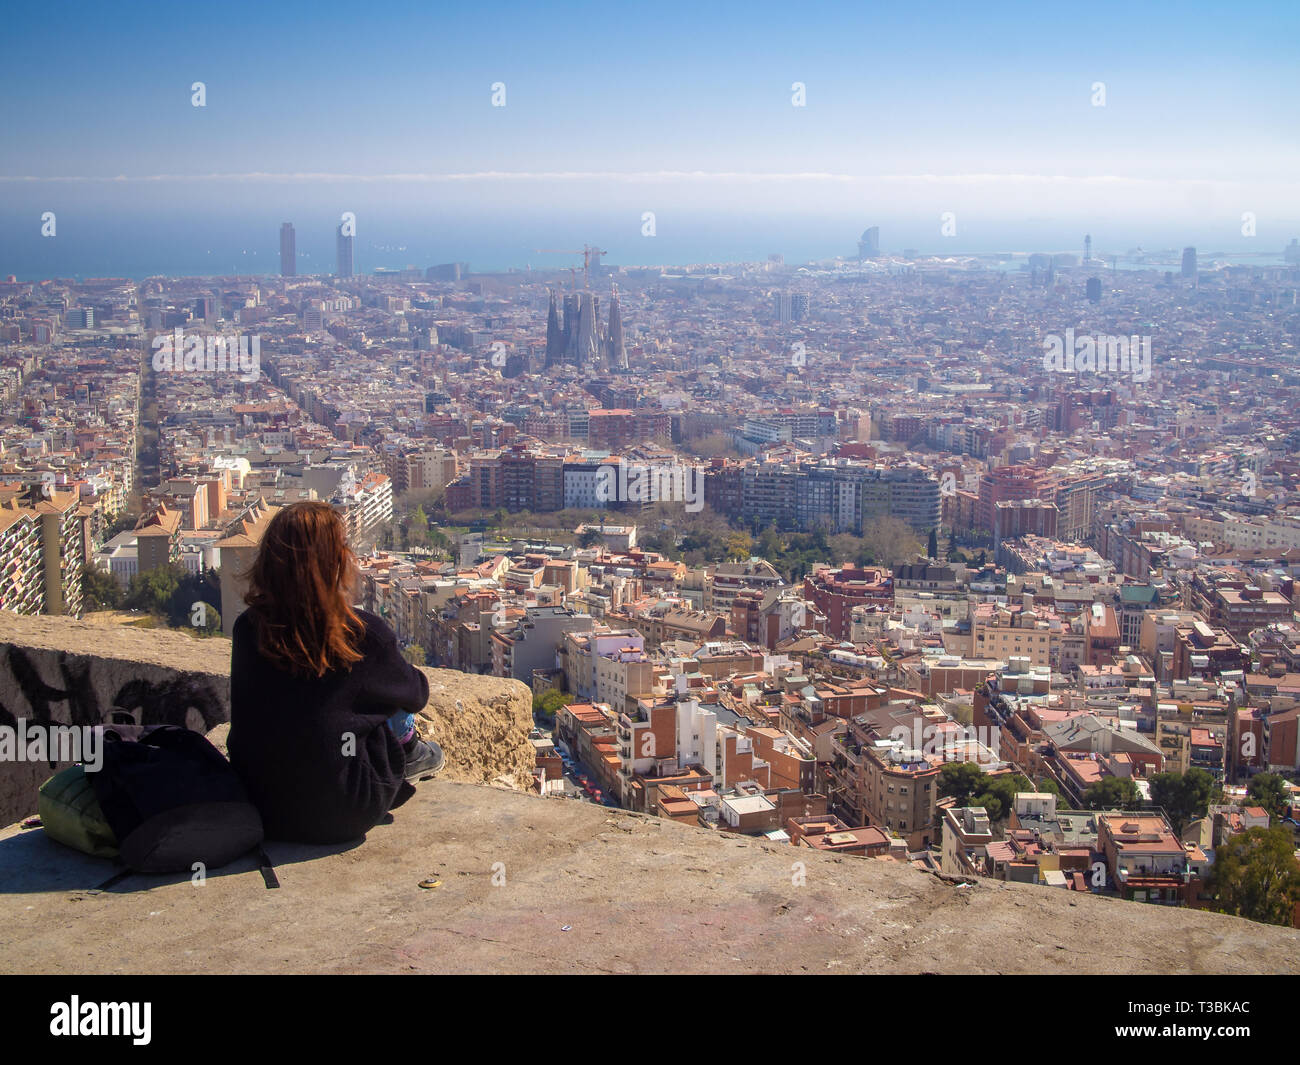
(982, 109)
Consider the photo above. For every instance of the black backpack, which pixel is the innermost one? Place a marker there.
(172, 800)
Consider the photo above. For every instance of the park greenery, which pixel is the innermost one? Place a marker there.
(1255, 875)
(170, 594)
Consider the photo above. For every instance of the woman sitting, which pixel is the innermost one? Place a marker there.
(322, 703)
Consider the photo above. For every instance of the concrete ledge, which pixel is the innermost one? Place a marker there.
(65, 671)
(638, 894)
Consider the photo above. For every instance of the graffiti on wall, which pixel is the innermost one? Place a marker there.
(167, 701)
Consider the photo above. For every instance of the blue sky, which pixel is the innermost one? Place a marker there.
(980, 109)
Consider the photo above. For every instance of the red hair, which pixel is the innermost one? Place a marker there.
(298, 592)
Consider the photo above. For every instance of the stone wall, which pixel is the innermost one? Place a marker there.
(63, 671)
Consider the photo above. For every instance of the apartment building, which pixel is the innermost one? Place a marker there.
(1017, 631)
(828, 834)
(1237, 605)
(22, 571)
(158, 538)
(881, 781)
(1146, 862)
(420, 469)
(601, 657)
(835, 592)
(238, 549)
(1012, 483)
(1205, 651)
(666, 620)
(967, 834)
(533, 641)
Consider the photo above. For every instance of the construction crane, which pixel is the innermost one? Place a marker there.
(587, 252)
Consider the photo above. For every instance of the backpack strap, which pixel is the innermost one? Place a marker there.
(264, 865)
(267, 869)
(113, 880)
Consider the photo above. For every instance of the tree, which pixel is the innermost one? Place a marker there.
(961, 780)
(993, 805)
(152, 590)
(99, 589)
(714, 445)
(1255, 875)
(769, 545)
(1184, 796)
(890, 540)
(1269, 791)
(739, 546)
(547, 703)
(1003, 788)
(414, 654)
(418, 528)
(182, 607)
(932, 545)
(439, 543)
(120, 524)
(1111, 792)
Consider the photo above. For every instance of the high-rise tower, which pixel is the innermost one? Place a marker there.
(288, 254)
(1189, 262)
(345, 241)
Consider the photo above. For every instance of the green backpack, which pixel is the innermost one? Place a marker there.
(70, 813)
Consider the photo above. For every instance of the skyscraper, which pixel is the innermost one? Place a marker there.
(869, 245)
(783, 304)
(288, 254)
(616, 352)
(1094, 290)
(1189, 262)
(345, 253)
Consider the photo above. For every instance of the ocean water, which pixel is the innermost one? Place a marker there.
(91, 241)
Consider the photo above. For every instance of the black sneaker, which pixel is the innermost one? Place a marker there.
(424, 759)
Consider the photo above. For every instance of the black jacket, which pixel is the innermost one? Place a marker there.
(316, 754)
